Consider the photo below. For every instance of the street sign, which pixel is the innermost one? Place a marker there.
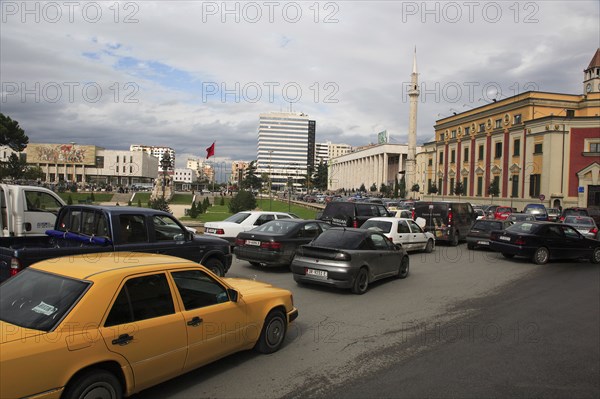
(542, 197)
(581, 189)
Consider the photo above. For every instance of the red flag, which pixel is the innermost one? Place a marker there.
(210, 151)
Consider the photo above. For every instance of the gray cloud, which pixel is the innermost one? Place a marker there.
(351, 61)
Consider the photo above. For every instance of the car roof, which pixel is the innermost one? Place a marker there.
(99, 265)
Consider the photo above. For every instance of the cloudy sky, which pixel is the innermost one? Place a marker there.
(186, 74)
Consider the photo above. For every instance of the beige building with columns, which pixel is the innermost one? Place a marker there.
(375, 164)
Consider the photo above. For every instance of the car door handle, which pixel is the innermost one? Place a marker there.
(195, 322)
(123, 339)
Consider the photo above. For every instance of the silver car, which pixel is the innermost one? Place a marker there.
(349, 258)
(584, 224)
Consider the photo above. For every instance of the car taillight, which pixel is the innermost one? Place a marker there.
(449, 217)
(562, 219)
(355, 223)
(239, 242)
(15, 266)
(220, 231)
(343, 256)
(594, 230)
(520, 241)
(273, 246)
(412, 214)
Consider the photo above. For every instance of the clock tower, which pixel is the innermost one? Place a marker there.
(591, 75)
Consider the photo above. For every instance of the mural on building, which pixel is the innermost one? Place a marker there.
(60, 153)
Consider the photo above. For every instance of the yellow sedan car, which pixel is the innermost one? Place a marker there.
(110, 325)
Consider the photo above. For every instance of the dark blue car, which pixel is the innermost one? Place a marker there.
(537, 210)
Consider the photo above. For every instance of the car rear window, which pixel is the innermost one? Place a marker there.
(340, 239)
(38, 300)
(523, 227)
(576, 212)
(585, 221)
(487, 225)
(426, 210)
(378, 225)
(238, 217)
(339, 208)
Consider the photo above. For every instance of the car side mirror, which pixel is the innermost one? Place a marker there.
(233, 294)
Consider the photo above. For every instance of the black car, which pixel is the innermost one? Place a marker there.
(542, 241)
(479, 235)
(352, 214)
(349, 258)
(448, 221)
(274, 243)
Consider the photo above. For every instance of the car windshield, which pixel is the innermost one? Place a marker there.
(523, 227)
(276, 227)
(378, 225)
(579, 220)
(487, 225)
(576, 212)
(339, 238)
(238, 217)
(38, 300)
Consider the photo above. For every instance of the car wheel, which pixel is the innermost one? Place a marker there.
(404, 267)
(273, 332)
(429, 246)
(361, 282)
(508, 256)
(470, 245)
(596, 255)
(94, 384)
(541, 256)
(215, 266)
(454, 241)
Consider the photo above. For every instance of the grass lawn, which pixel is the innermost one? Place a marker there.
(82, 196)
(181, 199)
(220, 212)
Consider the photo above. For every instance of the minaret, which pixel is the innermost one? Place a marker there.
(413, 94)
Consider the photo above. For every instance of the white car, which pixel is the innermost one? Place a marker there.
(242, 221)
(403, 231)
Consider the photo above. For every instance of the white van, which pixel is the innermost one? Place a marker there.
(27, 210)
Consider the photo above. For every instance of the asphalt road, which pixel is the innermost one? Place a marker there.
(463, 324)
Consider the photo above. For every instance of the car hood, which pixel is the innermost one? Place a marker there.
(246, 286)
(11, 332)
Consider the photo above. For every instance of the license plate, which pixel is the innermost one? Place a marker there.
(316, 273)
(253, 242)
(504, 238)
(483, 243)
(211, 231)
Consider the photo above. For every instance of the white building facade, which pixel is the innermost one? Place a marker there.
(184, 175)
(157, 152)
(376, 164)
(286, 147)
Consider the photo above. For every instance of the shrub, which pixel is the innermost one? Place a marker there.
(222, 203)
(159, 203)
(69, 200)
(193, 213)
(139, 203)
(243, 201)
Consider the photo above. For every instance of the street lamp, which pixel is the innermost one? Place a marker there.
(270, 180)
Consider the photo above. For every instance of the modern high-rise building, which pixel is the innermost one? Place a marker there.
(326, 151)
(286, 148)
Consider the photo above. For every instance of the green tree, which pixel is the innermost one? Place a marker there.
(193, 212)
(459, 188)
(34, 173)
(251, 180)
(159, 203)
(432, 189)
(396, 187)
(11, 134)
(402, 188)
(222, 203)
(69, 200)
(14, 167)
(373, 188)
(242, 201)
(320, 177)
(415, 189)
(494, 188)
(139, 202)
